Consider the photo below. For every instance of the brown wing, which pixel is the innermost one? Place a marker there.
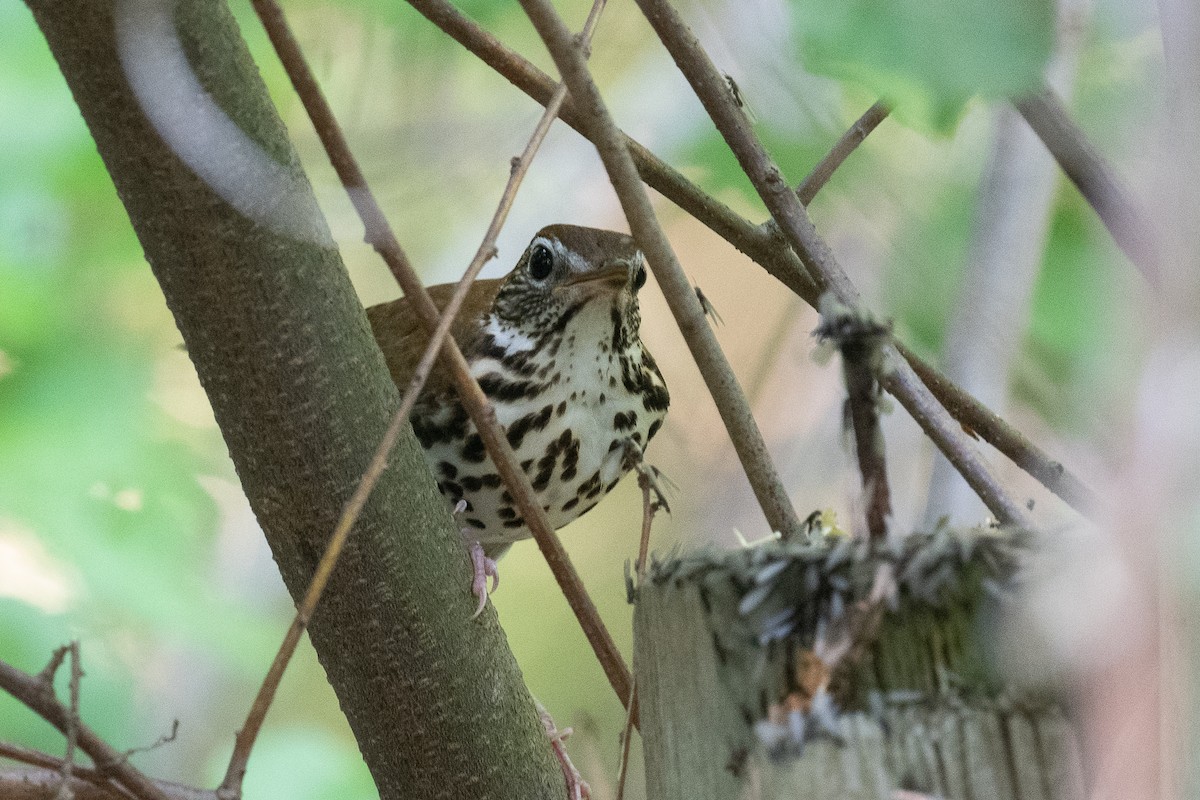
(403, 339)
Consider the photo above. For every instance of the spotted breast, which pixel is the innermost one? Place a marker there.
(555, 347)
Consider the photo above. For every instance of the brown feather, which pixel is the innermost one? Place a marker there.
(403, 338)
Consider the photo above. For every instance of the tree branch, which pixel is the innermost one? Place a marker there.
(849, 141)
(689, 315)
(37, 693)
(1095, 179)
(793, 220)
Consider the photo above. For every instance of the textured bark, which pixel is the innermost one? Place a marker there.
(302, 396)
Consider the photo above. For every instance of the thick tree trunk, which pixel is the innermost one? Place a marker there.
(300, 392)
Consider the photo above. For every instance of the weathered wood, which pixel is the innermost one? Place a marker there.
(718, 638)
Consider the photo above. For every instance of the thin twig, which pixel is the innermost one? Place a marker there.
(1096, 180)
(763, 244)
(714, 368)
(37, 693)
(627, 734)
(849, 141)
(978, 418)
(36, 758)
(68, 762)
(381, 237)
(41, 782)
(798, 229)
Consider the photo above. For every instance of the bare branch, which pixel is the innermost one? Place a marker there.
(849, 141)
(42, 784)
(976, 417)
(68, 762)
(722, 384)
(795, 224)
(1096, 180)
(381, 237)
(37, 693)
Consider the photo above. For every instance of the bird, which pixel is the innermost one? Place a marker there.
(556, 347)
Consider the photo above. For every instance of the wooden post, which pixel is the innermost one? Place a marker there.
(825, 671)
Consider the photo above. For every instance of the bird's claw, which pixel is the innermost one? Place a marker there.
(484, 568)
(577, 787)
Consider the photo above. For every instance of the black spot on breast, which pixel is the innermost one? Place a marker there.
(505, 497)
(610, 486)
(505, 512)
(497, 387)
(520, 362)
(624, 420)
(476, 523)
(654, 426)
(447, 469)
(562, 408)
(655, 398)
(473, 449)
(533, 421)
(491, 480)
(451, 488)
(591, 487)
(488, 348)
(514, 523)
(567, 506)
(570, 460)
(471, 483)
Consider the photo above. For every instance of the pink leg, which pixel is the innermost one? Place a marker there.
(577, 788)
(484, 568)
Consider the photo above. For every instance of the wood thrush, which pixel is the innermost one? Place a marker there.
(555, 347)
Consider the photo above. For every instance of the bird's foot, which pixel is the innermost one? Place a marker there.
(577, 787)
(484, 568)
(650, 478)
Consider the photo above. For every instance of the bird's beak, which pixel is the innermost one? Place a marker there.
(613, 279)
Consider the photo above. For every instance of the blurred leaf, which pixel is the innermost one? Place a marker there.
(928, 57)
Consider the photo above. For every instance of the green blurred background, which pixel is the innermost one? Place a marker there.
(121, 522)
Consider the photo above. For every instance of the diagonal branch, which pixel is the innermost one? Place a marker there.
(1095, 179)
(849, 141)
(793, 220)
(689, 315)
(380, 235)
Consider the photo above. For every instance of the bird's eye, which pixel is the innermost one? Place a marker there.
(541, 263)
(639, 278)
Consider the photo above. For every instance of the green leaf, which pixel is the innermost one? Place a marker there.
(927, 58)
